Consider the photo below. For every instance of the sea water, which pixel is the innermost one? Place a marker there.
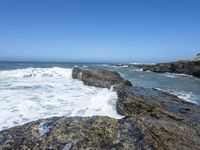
(34, 90)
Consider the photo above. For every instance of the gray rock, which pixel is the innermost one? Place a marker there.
(99, 77)
(184, 67)
(169, 122)
(76, 133)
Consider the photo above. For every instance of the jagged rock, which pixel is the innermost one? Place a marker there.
(99, 77)
(169, 122)
(76, 133)
(185, 67)
(164, 118)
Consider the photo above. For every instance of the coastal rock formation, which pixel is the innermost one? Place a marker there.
(190, 67)
(166, 119)
(99, 78)
(75, 133)
(153, 119)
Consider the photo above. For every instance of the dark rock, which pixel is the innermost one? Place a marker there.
(99, 77)
(76, 133)
(185, 67)
(169, 122)
(165, 119)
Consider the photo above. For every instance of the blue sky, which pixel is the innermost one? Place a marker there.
(99, 30)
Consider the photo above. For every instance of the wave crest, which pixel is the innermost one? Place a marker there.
(36, 72)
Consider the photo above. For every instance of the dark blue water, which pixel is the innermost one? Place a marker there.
(184, 86)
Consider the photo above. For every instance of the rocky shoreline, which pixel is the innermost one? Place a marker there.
(153, 119)
(180, 67)
(189, 67)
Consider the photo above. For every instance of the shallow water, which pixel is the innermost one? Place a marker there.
(34, 90)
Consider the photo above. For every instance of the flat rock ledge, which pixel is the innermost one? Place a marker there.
(153, 119)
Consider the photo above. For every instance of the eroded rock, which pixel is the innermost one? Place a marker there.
(180, 67)
(169, 122)
(99, 77)
(76, 133)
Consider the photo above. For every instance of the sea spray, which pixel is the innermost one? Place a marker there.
(34, 93)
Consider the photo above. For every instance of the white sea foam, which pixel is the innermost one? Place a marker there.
(187, 96)
(138, 69)
(142, 63)
(104, 65)
(175, 75)
(34, 93)
(121, 66)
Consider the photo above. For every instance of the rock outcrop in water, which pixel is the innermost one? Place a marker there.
(153, 120)
(99, 78)
(190, 67)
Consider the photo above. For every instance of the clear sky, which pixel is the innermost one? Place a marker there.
(99, 30)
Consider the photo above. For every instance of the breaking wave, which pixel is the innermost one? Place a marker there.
(34, 93)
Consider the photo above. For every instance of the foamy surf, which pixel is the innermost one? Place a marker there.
(34, 93)
(175, 75)
(187, 96)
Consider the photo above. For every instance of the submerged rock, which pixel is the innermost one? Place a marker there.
(153, 120)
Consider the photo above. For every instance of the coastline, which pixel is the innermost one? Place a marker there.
(153, 120)
(187, 67)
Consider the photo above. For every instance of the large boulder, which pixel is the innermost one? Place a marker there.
(99, 77)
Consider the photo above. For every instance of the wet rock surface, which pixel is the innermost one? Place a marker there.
(153, 119)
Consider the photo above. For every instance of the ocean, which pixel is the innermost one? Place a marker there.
(35, 90)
